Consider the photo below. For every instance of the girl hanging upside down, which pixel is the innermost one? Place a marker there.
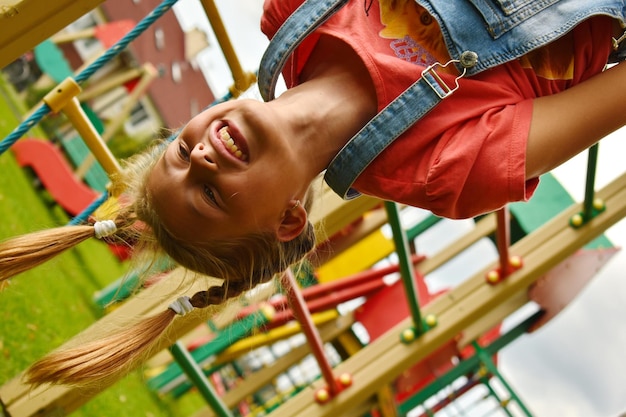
(230, 195)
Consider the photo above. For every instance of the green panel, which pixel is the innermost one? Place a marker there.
(52, 61)
(549, 199)
(96, 177)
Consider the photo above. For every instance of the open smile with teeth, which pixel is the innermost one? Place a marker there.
(231, 145)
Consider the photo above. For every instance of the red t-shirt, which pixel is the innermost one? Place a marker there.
(467, 156)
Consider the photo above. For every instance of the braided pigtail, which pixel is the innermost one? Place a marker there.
(217, 295)
(25, 252)
(119, 352)
(100, 359)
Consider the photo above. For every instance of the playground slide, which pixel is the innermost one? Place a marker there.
(55, 174)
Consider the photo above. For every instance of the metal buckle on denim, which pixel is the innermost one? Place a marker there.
(619, 49)
(618, 41)
(389, 124)
(467, 60)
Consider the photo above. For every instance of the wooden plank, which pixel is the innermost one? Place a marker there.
(26, 23)
(331, 213)
(386, 358)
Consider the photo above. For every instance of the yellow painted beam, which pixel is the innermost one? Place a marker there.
(375, 246)
(386, 358)
(385, 401)
(359, 257)
(243, 80)
(370, 223)
(27, 23)
(150, 73)
(272, 336)
(110, 82)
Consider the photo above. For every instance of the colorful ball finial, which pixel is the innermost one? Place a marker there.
(322, 395)
(577, 220)
(598, 204)
(345, 379)
(431, 320)
(408, 335)
(516, 262)
(493, 277)
(268, 311)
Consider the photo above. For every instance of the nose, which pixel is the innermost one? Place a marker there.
(201, 159)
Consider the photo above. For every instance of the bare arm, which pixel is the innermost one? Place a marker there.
(569, 122)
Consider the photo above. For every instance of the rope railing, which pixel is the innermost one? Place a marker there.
(109, 54)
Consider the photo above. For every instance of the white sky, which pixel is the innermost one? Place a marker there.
(573, 366)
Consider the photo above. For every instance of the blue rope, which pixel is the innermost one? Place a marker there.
(89, 71)
(24, 127)
(123, 43)
(88, 211)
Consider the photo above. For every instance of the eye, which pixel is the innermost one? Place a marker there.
(208, 192)
(183, 152)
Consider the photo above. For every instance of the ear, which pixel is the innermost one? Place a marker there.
(292, 223)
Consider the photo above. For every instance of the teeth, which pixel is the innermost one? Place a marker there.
(230, 144)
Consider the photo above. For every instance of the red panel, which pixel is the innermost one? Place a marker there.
(554, 291)
(55, 174)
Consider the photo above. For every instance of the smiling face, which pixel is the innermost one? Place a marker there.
(229, 173)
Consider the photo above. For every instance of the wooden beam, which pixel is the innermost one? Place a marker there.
(27, 23)
(387, 357)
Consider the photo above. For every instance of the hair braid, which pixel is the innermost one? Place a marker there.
(119, 351)
(98, 360)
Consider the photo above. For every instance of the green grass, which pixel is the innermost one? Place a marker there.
(48, 305)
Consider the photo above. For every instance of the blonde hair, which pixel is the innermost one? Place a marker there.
(242, 263)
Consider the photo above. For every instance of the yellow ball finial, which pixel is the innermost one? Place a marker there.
(322, 395)
(577, 220)
(598, 204)
(268, 311)
(493, 277)
(431, 320)
(345, 379)
(408, 335)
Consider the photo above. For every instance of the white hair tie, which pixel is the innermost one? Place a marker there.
(104, 228)
(181, 306)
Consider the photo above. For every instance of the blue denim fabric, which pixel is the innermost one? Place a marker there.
(383, 129)
(510, 29)
(302, 22)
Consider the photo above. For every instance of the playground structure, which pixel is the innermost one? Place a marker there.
(459, 323)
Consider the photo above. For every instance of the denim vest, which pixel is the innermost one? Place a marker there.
(479, 34)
